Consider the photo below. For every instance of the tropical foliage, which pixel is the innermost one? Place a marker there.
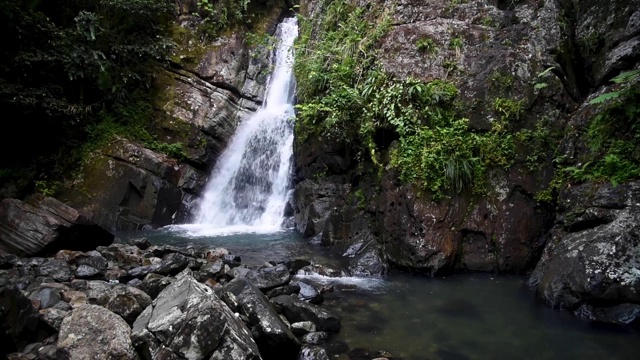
(346, 96)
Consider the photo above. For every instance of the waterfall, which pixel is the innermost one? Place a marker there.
(248, 188)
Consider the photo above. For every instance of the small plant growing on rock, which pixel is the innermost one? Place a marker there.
(426, 45)
(509, 110)
(456, 44)
(487, 21)
(541, 84)
(501, 80)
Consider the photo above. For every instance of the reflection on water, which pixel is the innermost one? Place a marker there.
(472, 317)
(415, 318)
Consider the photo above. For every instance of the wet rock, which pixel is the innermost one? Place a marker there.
(44, 225)
(87, 272)
(188, 320)
(303, 328)
(313, 200)
(153, 284)
(591, 263)
(315, 338)
(121, 299)
(368, 263)
(317, 269)
(239, 272)
(313, 353)
(309, 293)
(171, 264)
(48, 297)
(273, 337)
(214, 269)
(297, 310)
(93, 332)
(296, 264)
(141, 243)
(621, 314)
(53, 317)
(125, 255)
(231, 260)
(47, 352)
(58, 270)
(284, 290)
(126, 187)
(93, 259)
(267, 278)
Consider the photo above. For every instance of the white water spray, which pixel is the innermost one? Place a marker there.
(248, 188)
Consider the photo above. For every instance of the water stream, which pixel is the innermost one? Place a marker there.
(415, 318)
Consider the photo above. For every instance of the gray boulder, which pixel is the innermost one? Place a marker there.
(93, 332)
(313, 353)
(188, 321)
(267, 278)
(171, 264)
(126, 301)
(592, 264)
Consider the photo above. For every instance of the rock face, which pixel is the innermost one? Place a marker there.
(187, 320)
(125, 186)
(376, 219)
(92, 332)
(44, 225)
(506, 46)
(208, 90)
(592, 263)
(365, 212)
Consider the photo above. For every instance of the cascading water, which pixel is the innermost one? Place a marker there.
(248, 189)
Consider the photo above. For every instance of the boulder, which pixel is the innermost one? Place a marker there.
(315, 338)
(309, 293)
(592, 264)
(44, 225)
(153, 284)
(126, 256)
(126, 301)
(187, 320)
(303, 327)
(297, 310)
(283, 290)
(93, 332)
(57, 270)
(171, 264)
(313, 353)
(273, 337)
(269, 277)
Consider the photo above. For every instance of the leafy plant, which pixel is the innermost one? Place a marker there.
(501, 80)
(487, 21)
(540, 84)
(426, 45)
(508, 109)
(457, 43)
(622, 78)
